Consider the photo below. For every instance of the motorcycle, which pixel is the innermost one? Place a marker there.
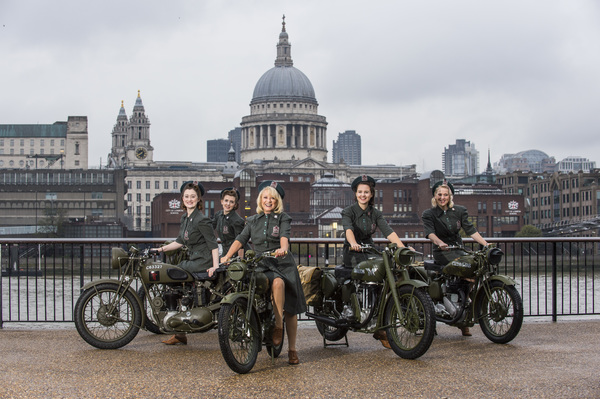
(469, 290)
(376, 296)
(246, 318)
(109, 313)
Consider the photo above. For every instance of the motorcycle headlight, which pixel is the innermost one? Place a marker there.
(237, 270)
(404, 256)
(494, 256)
(118, 258)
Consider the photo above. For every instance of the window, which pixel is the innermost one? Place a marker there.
(157, 184)
(138, 197)
(138, 184)
(22, 142)
(41, 142)
(148, 197)
(166, 185)
(147, 184)
(129, 197)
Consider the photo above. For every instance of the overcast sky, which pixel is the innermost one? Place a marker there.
(410, 77)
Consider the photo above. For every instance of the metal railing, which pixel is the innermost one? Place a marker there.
(41, 278)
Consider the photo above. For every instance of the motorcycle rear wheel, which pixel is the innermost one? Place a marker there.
(239, 337)
(274, 350)
(155, 290)
(411, 336)
(106, 319)
(501, 315)
(331, 333)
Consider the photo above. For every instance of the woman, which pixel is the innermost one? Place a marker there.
(360, 221)
(443, 222)
(269, 230)
(227, 222)
(197, 234)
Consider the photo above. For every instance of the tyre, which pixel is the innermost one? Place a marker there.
(273, 350)
(412, 329)
(239, 336)
(155, 290)
(500, 313)
(331, 333)
(107, 319)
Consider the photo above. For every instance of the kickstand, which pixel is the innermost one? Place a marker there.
(326, 344)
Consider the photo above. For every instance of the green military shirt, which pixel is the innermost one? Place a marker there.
(364, 223)
(196, 232)
(446, 225)
(228, 227)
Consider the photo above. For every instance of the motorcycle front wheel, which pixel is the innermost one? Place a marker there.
(155, 290)
(106, 318)
(239, 336)
(273, 350)
(500, 313)
(411, 331)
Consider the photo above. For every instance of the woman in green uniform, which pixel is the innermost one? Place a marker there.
(360, 221)
(443, 222)
(227, 223)
(195, 232)
(270, 230)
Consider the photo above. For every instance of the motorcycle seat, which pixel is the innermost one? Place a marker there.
(204, 275)
(433, 266)
(342, 272)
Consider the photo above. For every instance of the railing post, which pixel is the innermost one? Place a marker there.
(554, 284)
(81, 254)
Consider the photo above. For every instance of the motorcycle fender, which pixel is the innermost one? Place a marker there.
(231, 298)
(116, 282)
(504, 279)
(414, 283)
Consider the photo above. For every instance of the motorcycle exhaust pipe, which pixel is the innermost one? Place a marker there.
(329, 321)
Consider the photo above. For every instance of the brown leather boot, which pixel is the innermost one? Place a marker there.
(465, 331)
(176, 339)
(293, 358)
(382, 337)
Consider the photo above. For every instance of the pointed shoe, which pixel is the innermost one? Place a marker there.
(176, 339)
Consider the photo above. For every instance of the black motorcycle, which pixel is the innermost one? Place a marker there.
(469, 290)
(109, 313)
(376, 296)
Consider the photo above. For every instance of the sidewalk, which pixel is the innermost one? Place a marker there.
(558, 360)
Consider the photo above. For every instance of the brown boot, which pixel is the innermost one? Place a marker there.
(382, 336)
(293, 358)
(176, 339)
(277, 336)
(465, 331)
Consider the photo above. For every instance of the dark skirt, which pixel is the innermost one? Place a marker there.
(286, 269)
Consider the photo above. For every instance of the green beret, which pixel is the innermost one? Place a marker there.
(445, 183)
(194, 182)
(273, 184)
(362, 179)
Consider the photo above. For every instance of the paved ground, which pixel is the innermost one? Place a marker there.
(551, 360)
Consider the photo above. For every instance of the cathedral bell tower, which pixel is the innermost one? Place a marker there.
(139, 150)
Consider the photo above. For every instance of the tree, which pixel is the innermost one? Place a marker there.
(529, 231)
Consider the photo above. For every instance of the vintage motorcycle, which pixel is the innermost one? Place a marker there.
(246, 318)
(109, 313)
(377, 295)
(469, 290)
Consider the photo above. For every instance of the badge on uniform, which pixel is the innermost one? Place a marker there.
(225, 229)
(185, 236)
(275, 231)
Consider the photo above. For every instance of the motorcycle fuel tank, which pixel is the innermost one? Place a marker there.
(463, 266)
(164, 273)
(369, 270)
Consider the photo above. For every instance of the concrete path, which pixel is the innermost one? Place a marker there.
(550, 360)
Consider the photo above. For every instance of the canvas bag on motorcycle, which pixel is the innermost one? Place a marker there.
(310, 277)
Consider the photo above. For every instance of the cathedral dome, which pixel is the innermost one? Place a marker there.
(284, 83)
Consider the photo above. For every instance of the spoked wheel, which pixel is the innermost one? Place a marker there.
(155, 291)
(331, 333)
(107, 319)
(273, 350)
(239, 336)
(500, 312)
(412, 330)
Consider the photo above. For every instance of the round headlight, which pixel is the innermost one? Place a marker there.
(494, 256)
(404, 256)
(118, 258)
(237, 270)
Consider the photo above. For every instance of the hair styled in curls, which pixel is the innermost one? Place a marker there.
(274, 194)
(192, 186)
(450, 203)
(231, 193)
(371, 187)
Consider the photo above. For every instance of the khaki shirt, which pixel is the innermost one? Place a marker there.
(364, 223)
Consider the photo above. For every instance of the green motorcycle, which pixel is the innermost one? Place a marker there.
(376, 296)
(246, 318)
(469, 290)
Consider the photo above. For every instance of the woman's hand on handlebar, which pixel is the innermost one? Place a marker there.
(279, 252)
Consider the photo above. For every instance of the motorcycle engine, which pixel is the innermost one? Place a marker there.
(183, 313)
